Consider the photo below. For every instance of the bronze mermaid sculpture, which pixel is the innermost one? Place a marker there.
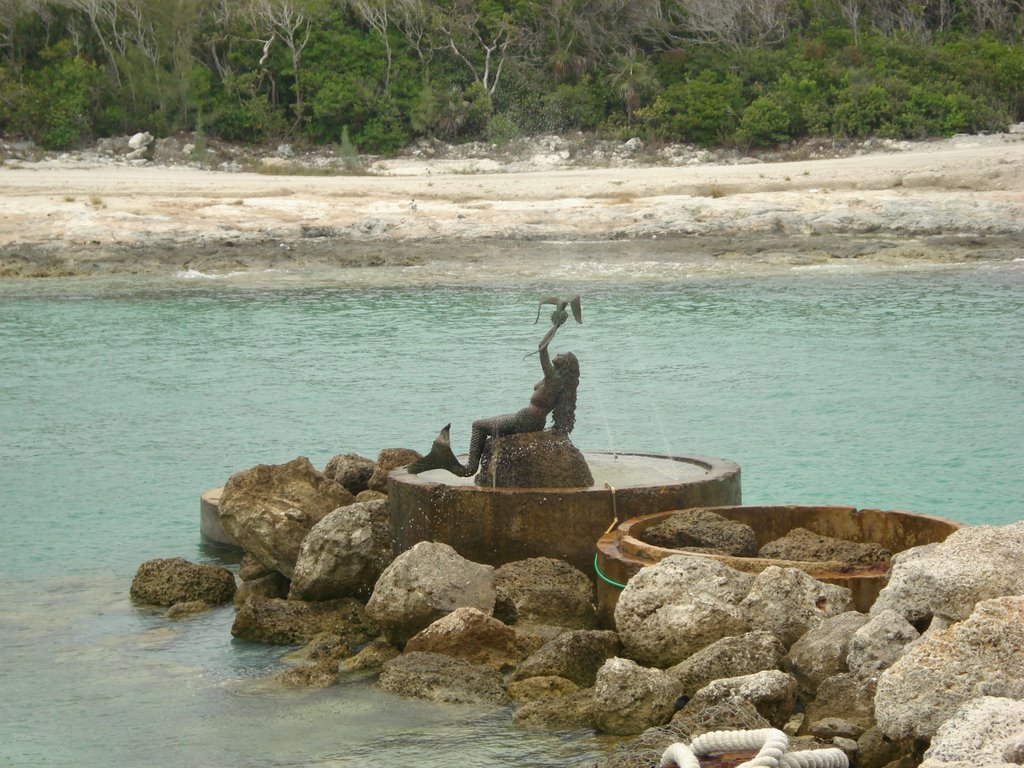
(554, 394)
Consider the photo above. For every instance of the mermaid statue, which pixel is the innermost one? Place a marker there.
(554, 394)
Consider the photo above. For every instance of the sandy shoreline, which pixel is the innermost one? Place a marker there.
(952, 200)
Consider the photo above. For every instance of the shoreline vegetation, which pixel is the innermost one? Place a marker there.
(246, 208)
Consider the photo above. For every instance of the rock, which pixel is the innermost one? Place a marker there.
(949, 578)
(730, 714)
(543, 590)
(821, 652)
(325, 645)
(387, 460)
(772, 692)
(270, 508)
(842, 697)
(290, 622)
(629, 698)
(322, 674)
(788, 602)
(982, 732)
(167, 581)
(572, 712)
(876, 751)
(271, 585)
(372, 656)
(250, 568)
(350, 470)
(472, 635)
(534, 460)
(829, 728)
(541, 688)
(703, 528)
(575, 656)
(371, 496)
(344, 554)
(802, 544)
(140, 140)
(671, 610)
(646, 749)
(729, 657)
(980, 656)
(878, 643)
(425, 583)
(441, 678)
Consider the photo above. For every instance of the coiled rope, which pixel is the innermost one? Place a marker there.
(771, 743)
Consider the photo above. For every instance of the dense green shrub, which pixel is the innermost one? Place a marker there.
(765, 122)
(55, 107)
(704, 110)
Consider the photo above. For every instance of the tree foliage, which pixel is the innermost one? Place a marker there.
(381, 73)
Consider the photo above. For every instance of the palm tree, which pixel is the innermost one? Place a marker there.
(632, 78)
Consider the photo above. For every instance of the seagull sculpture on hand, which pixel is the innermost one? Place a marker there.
(559, 315)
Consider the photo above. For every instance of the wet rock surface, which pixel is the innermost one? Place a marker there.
(167, 581)
(534, 460)
(543, 590)
(804, 545)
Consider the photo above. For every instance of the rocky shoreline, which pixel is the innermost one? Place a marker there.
(931, 675)
(99, 212)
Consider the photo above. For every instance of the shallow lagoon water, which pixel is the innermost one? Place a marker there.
(123, 398)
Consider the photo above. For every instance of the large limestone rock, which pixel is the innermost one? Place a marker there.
(705, 529)
(878, 643)
(542, 590)
(629, 698)
(472, 635)
(788, 602)
(986, 731)
(534, 460)
(575, 656)
(822, 651)
(270, 508)
(730, 714)
(291, 622)
(729, 657)
(772, 692)
(947, 579)
(351, 471)
(980, 656)
(441, 678)
(425, 583)
(671, 610)
(173, 580)
(344, 554)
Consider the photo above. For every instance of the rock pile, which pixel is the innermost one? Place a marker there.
(934, 672)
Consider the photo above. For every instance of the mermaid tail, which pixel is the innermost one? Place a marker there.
(440, 456)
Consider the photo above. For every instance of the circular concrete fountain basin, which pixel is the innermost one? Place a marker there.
(499, 525)
(622, 552)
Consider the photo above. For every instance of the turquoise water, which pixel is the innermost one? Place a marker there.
(122, 399)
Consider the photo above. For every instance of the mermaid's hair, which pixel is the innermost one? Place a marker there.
(563, 416)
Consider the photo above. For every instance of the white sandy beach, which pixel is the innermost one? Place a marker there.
(948, 199)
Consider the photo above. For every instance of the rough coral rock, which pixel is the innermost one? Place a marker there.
(575, 656)
(947, 579)
(470, 634)
(534, 460)
(670, 610)
(344, 554)
(802, 544)
(441, 678)
(772, 692)
(387, 460)
(980, 656)
(729, 657)
(167, 581)
(290, 622)
(703, 528)
(788, 602)
(984, 731)
(351, 471)
(878, 643)
(270, 508)
(543, 590)
(821, 652)
(630, 698)
(425, 583)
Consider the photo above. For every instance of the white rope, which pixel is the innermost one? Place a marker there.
(771, 743)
